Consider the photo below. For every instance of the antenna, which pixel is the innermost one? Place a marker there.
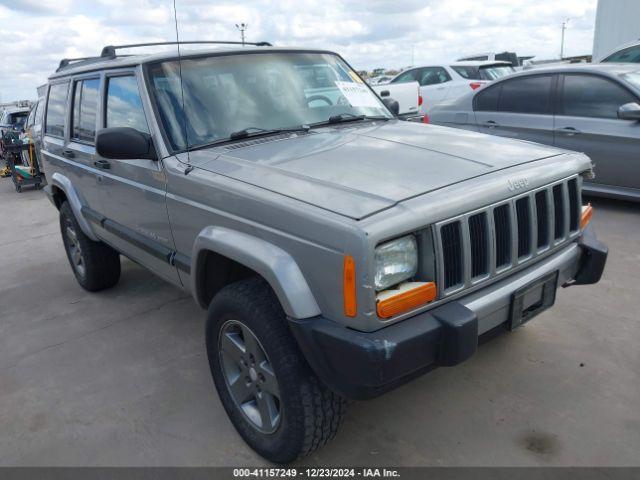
(242, 27)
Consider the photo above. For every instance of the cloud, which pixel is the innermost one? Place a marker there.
(368, 33)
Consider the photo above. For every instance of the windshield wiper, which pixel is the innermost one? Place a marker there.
(349, 117)
(250, 132)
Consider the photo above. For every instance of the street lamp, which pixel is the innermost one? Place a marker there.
(242, 27)
(564, 27)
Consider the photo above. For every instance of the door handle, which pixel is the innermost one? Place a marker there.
(103, 164)
(568, 131)
(384, 93)
(491, 124)
(68, 153)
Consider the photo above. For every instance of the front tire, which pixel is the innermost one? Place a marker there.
(95, 264)
(274, 400)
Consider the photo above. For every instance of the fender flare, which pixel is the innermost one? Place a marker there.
(275, 265)
(63, 183)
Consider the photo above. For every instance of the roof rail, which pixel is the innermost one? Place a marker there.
(65, 62)
(110, 50)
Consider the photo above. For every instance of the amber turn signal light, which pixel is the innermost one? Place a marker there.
(349, 286)
(406, 300)
(587, 213)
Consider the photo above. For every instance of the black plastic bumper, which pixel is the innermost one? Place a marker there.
(361, 365)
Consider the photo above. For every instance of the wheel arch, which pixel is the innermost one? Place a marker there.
(235, 255)
(61, 189)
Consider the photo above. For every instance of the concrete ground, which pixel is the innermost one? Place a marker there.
(121, 377)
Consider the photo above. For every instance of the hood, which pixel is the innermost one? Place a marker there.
(357, 170)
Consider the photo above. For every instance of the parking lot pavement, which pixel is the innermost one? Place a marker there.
(121, 377)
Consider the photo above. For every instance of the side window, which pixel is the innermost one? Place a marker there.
(85, 109)
(487, 99)
(526, 95)
(408, 76)
(433, 76)
(39, 112)
(124, 105)
(589, 96)
(57, 109)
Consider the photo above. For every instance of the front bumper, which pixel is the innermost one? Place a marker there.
(361, 365)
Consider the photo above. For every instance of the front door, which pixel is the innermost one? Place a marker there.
(587, 121)
(134, 190)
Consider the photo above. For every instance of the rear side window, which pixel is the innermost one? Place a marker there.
(487, 99)
(124, 105)
(85, 109)
(470, 73)
(56, 109)
(526, 95)
(409, 76)
(433, 76)
(589, 96)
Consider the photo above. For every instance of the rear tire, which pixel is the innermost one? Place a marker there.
(95, 264)
(303, 414)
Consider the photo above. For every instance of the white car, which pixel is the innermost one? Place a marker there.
(449, 81)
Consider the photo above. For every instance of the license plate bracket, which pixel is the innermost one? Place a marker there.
(532, 299)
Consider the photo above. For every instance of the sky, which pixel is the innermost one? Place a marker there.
(36, 34)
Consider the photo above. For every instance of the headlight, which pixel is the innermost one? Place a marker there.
(395, 261)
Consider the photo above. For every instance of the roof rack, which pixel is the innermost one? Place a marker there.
(109, 52)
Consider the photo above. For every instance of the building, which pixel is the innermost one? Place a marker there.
(616, 24)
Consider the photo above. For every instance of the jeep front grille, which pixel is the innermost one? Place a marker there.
(479, 245)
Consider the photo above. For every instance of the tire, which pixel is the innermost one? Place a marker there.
(308, 413)
(95, 264)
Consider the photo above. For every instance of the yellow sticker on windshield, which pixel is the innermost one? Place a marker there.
(355, 77)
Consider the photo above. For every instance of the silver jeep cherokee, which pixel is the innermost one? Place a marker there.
(339, 251)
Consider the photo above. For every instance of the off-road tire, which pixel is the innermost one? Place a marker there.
(101, 262)
(310, 413)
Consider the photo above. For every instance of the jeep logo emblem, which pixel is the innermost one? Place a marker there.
(518, 183)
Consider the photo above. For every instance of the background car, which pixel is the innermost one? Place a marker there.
(444, 82)
(629, 53)
(593, 109)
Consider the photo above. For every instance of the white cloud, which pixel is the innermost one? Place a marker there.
(368, 33)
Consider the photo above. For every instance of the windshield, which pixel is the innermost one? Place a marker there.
(495, 72)
(229, 93)
(628, 55)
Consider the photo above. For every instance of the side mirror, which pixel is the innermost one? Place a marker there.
(392, 105)
(125, 143)
(629, 111)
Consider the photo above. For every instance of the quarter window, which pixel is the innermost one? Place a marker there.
(56, 109)
(124, 105)
(526, 95)
(589, 96)
(85, 106)
(487, 99)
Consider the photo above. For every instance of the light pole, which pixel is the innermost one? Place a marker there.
(242, 27)
(564, 27)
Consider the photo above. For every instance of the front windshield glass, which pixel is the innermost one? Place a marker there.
(229, 93)
(493, 73)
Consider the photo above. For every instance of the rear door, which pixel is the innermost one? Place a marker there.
(519, 108)
(67, 155)
(587, 121)
(134, 190)
(434, 86)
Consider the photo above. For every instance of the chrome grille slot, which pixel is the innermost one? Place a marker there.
(502, 225)
(524, 227)
(542, 217)
(479, 236)
(452, 254)
(474, 247)
(558, 212)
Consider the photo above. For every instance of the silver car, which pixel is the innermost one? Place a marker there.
(339, 251)
(593, 109)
